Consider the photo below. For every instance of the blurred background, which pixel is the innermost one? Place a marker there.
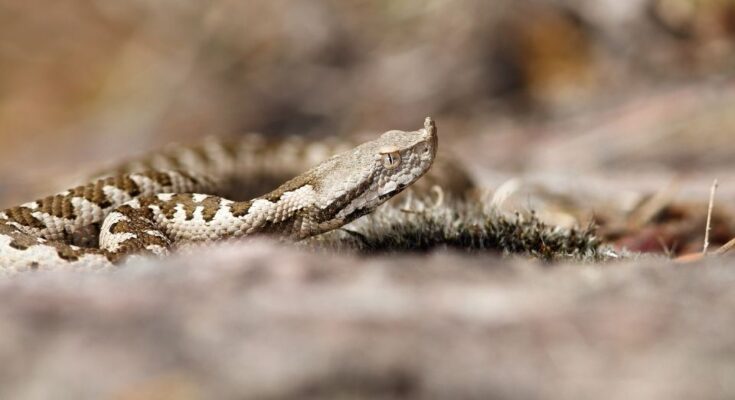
(596, 100)
(614, 112)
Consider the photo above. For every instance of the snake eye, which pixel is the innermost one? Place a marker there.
(391, 157)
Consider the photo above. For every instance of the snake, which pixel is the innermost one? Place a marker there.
(153, 205)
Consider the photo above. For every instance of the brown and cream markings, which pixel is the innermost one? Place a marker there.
(150, 206)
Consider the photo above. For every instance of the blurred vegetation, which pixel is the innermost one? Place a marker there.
(182, 68)
(464, 228)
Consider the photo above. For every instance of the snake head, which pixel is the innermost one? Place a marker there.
(404, 158)
(354, 183)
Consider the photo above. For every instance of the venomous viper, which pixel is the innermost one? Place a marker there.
(149, 206)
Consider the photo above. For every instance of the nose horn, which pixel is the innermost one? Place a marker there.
(430, 126)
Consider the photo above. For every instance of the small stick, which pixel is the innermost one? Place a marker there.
(713, 189)
(725, 247)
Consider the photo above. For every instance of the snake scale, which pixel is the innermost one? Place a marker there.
(150, 206)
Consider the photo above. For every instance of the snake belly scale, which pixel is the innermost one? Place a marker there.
(149, 207)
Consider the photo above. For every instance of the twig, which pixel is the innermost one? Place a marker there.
(709, 216)
(647, 210)
(725, 247)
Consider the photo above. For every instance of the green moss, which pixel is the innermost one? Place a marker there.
(461, 226)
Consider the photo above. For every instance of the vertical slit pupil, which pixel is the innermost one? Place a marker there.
(391, 159)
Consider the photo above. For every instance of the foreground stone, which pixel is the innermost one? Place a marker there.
(257, 320)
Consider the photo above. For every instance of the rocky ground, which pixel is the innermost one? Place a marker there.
(258, 320)
(617, 114)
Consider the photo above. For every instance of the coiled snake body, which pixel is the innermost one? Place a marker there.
(149, 211)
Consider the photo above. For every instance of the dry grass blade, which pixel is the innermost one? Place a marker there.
(725, 247)
(707, 230)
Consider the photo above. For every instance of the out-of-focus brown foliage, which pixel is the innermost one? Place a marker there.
(90, 77)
